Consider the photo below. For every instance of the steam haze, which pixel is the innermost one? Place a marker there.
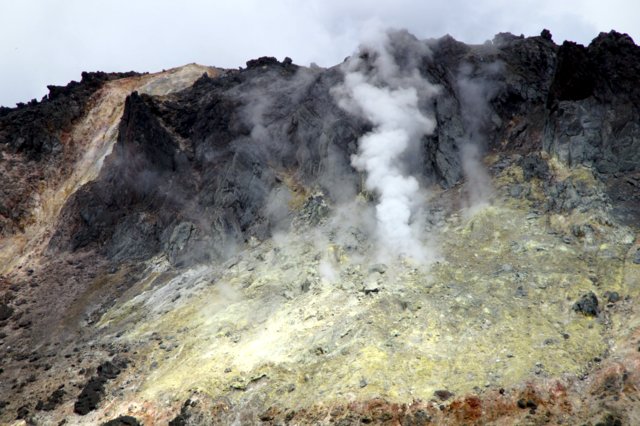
(476, 86)
(388, 96)
(47, 42)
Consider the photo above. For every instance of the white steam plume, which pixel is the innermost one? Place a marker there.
(377, 89)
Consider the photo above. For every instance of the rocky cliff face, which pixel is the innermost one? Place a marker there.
(207, 236)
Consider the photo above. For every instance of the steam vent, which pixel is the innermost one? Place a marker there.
(427, 233)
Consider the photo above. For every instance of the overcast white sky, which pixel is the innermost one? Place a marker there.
(50, 42)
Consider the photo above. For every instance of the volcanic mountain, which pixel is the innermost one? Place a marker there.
(428, 233)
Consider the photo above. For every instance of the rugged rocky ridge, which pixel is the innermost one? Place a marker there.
(195, 173)
(207, 129)
(35, 143)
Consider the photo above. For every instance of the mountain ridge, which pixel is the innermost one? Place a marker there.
(130, 197)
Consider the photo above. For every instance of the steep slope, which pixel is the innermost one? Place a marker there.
(215, 239)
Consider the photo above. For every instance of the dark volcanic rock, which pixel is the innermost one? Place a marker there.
(262, 61)
(93, 390)
(5, 312)
(23, 412)
(610, 420)
(612, 296)
(443, 395)
(109, 370)
(574, 79)
(571, 194)
(185, 414)
(107, 208)
(123, 421)
(587, 305)
(90, 396)
(35, 129)
(534, 165)
(595, 105)
(52, 402)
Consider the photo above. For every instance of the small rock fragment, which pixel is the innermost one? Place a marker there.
(371, 286)
(23, 412)
(5, 312)
(52, 402)
(93, 391)
(380, 268)
(612, 296)
(443, 395)
(123, 421)
(587, 305)
(90, 396)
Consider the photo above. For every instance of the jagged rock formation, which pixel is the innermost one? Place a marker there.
(37, 134)
(200, 143)
(141, 215)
